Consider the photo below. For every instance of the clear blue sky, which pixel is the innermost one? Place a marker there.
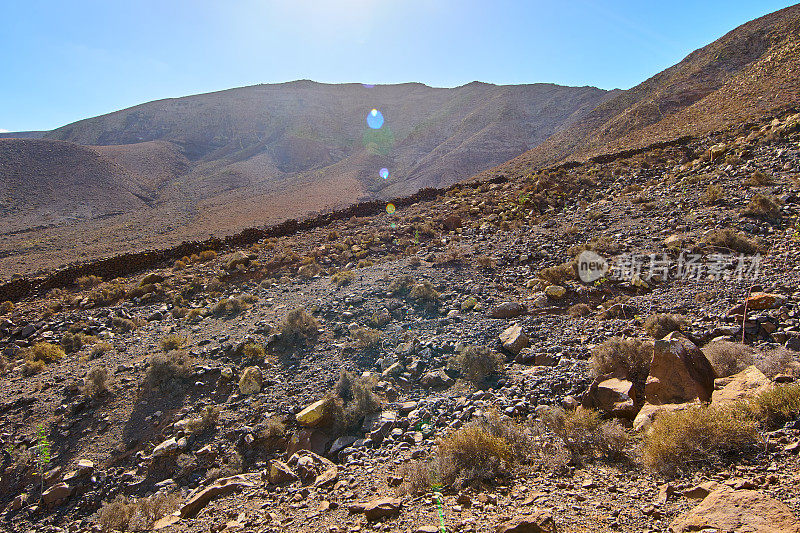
(66, 60)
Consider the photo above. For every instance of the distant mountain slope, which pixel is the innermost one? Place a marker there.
(267, 136)
(51, 182)
(745, 74)
(22, 134)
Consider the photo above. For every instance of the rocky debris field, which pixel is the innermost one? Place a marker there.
(439, 367)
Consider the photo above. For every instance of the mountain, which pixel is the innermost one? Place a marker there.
(22, 134)
(748, 73)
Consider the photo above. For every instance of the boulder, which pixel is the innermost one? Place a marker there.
(746, 384)
(251, 380)
(313, 468)
(758, 301)
(613, 396)
(556, 292)
(57, 493)
(168, 447)
(279, 472)
(203, 495)
(435, 379)
(679, 372)
(514, 339)
(508, 310)
(650, 412)
(726, 509)
(377, 508)
(538, 522)
(698, 492)
(313, 414)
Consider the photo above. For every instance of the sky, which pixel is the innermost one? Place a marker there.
(65, 61)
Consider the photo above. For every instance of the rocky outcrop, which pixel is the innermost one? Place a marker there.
(679, 372)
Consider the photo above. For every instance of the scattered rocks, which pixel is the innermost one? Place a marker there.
(251, 380)
(538, 522)
(377, 508)
(514, 339)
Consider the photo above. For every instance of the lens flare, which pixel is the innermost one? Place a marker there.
(375, 119)
(384, 173)
(390, 208)
(368, 85)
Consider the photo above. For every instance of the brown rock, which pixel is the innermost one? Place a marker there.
(514, 339)
(222, 487)
(698, 492)
(508, 310)
(650, 412)
(746, 384)
(279, 472)
(57, 493)
(679, 372)
(539, 522)
(377, 508)
(611, 395)
(727, 509)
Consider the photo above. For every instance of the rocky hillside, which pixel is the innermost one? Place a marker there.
(441, 365)
(746, 73)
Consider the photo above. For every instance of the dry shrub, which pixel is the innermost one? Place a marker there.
(585, 435)
(6, 307)
(96, 381)
(73, 342)
(108, 294)
(195, 315)
(207, 419)
(299, 327)
(351, 400)
(232, 465)
(254, 352)
(366, 338)
(702, 435)
(776, 406)
(128, 514)
(761, 205)
(179, 265)
(476, 363)
(180, 312)
(207, 255)
(472, 453)
(168, 368)
(342, 278)
(486, 261)
(659, 326)
(99, 349)
(44, 352)
(123, 324)
(309, 271)
(775, 361)
(733, 240)
(579, 310)
(229, 307)
(402, 285)
(87, 282)
(424, 292)
(172, 342)
(559, 274)
(626, 357)
(759, 178)
(728, 358)
(713, 195)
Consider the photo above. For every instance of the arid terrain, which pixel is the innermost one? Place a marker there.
(448, 361)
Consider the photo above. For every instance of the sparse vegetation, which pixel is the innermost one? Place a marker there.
(123, 324)
(557, 275)
(579, 310)
(38, 356)
(762, 205)
(351, 400)
(713, 195)
(229, 307)
(6, 308)
(424, 292)
(299, 327)
(730, 239)
(168, 368)
(96, 381)
(366, 338)
(172, 342)
(87, 282)
(342, 278)
(208, 419)
(585, 435)
(476, 363)
(759, 177)
(129, 514)
(659, 326)
(207, 255)
(728, 358)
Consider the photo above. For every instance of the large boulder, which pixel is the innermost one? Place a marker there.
(729, 510)
(514, 339)
(435, 379)
(57, 493)
(758, 301)
(538, 522)
(314, 469)
(508, 310)
(251, 380)
(221, 487)
(168, 447)
(679, 372)
(746, 384)
(377, 508)
(612, 396)
(313, 414)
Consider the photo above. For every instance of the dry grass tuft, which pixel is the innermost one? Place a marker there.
(127, 514)
(351, 400)
(38, 356)
(731, 239)
(626, 357)
(366, 338)
(762, 205)
(172, 342)
(579, 310)
(559, 274)
(229, 307)
(96, 381)
(168, 368)
(342, 278)
(299, 327)
(659, 326)
(476, 363)
(728, 358)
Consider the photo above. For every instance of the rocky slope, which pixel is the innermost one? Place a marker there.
(230, 434)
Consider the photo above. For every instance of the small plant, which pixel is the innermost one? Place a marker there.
(168, 368)
(128, 514)
(42, 452)
(172, 342)
(557, 275)
(728, 358)
(486, 262)
(99, 349)
(207, 255)
(659, 326)
(760, 178)
(207, 420)
(366, 338)
(342, 278)
(123, 324)
(229, 307)
(351, 401)
(731, 239)
(584, 434)
(6, 307)
(299, 327)
(253, 352)
(476, 363)
(579, 310)
(96, 381)
(38, 356)
(629, 358)
(402, 285)
(87, 282)
(424, 292)
(762, 205)
(713, 195)
(195, 315)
